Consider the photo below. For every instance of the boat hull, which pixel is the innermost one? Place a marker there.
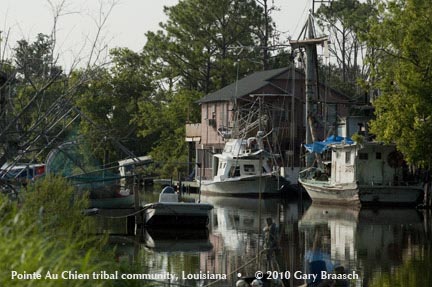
(363, 194)
(321, 193)
(193, 215)
(391, 195)
(247, 187)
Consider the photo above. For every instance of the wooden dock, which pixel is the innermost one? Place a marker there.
(186, 185)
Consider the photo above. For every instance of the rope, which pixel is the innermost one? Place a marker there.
(128, 215)
(138, 212)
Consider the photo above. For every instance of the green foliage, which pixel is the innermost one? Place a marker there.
(45, 233)
(197, 51)
(167, 121)
(62, 211)
(35, 60)
(110, 102)
(414, 272)
(48, 232)
(35, 83)
(357, 138)
(194, 54)
(403, 75)
(347, 21)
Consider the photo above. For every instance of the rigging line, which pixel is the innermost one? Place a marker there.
(45, 147)
(58, 134)
(62, 115)
(144, 208)
(115, 141)
(72, 159)
(307, 4)
(56, 107)
(28, 146)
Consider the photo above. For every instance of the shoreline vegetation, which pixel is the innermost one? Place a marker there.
(46, 231)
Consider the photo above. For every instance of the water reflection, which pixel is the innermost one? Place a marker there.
(377, 244)
(236, 233)
(160, 240)
(369, 242)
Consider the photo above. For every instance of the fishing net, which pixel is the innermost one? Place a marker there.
(73, 161)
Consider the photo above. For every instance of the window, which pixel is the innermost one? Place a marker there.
(249, 168)
(234, 171)
(378, 155)
(363, 156)
(237, 171)
(348, 157)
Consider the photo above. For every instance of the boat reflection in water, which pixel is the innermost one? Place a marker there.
(360, 243)
(177, 240)
(380, 245)
(236, 234)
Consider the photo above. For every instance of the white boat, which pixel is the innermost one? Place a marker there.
(244, 169)
(359, 173)
(22, 171)
(370, 173)
(170, 212)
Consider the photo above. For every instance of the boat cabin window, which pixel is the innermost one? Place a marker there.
(228, 148)
(234, 171)
(222, 165)
(337, 154)
(363, 156)
(249, 169)
(378, 155)
(348, 157)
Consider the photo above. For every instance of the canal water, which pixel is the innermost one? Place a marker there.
(377, 247)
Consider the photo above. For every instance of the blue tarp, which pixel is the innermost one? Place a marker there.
(320, 147)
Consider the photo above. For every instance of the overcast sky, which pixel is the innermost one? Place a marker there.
(126, 26)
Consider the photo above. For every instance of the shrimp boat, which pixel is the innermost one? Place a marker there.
(359, 173)
(370, 173)
(244, 169)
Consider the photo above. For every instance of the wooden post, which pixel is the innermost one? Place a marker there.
(137, 204)
(136, 194)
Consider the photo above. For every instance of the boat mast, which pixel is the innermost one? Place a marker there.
(309, 43)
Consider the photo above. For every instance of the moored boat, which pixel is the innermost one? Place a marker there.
(170, 212)
(370, 173)
(244, 169)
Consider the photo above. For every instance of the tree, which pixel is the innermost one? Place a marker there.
(195, 53)
(36, 100)
(111, 104)
(346, 21)
(402, 73)
(35, 60)
(33, 83)
(197, 50)
(167, 120)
